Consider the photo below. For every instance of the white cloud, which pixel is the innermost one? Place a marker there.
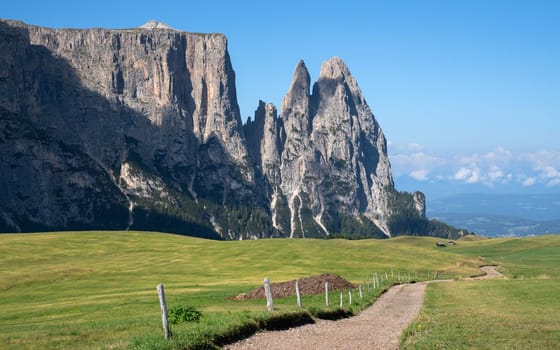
(474, 178)
(495, 174)
(469, 176)
(462, 174)
(546, 164)
(542, 158)
(498, 155)
(548, 172)
(529, 181)
(550, 175)
(420, 174)
(468, 159)
(496, 167)
(415, 163)
(416, 147)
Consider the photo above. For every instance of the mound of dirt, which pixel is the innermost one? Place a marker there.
(307, 285)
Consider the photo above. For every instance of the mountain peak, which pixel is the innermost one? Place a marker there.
(297, 98)
(334, 68)
(301, 78)
(153, 24)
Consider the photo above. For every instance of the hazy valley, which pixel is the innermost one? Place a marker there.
(500, 215)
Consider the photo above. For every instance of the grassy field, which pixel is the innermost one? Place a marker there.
(520, 312)
(97, 290)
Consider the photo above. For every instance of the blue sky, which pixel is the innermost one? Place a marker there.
(467, 92)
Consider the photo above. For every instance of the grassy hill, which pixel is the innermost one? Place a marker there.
(98, 289)
(520, 312)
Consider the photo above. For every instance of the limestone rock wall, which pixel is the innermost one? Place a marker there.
(162, 99)
(140, 128)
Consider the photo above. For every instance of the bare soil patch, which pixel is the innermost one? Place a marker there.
(308, 285)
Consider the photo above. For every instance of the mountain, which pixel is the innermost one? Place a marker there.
(490, 225)
(496, 215)
(140, 129)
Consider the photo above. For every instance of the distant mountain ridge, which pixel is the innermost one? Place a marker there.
(489, 225)
(496, 215)
(140, 128)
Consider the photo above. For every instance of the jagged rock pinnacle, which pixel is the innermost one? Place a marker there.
(334, 68)
(296, 101)
(300, 83)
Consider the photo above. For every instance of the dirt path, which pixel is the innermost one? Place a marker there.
(491, 273)
(377, 327)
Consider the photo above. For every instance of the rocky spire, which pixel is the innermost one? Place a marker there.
(351, 141)
(335, 73)
(295, 105)
(263, 141)
(296, 149)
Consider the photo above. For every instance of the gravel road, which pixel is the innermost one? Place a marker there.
(377, 327)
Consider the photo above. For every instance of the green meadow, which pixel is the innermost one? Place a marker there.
(97, 290)
(519, 312)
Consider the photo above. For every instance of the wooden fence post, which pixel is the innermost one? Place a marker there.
(360, 290)
(350, 297)
(386, 277)
(341, 301)
(297, 294)
(163, 305)
(327, 293)
(269, 302)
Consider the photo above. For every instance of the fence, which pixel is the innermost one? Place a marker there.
(373, 283)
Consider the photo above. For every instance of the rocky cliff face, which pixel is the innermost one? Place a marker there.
(152, 105)
(140, 128)
(333, 162)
